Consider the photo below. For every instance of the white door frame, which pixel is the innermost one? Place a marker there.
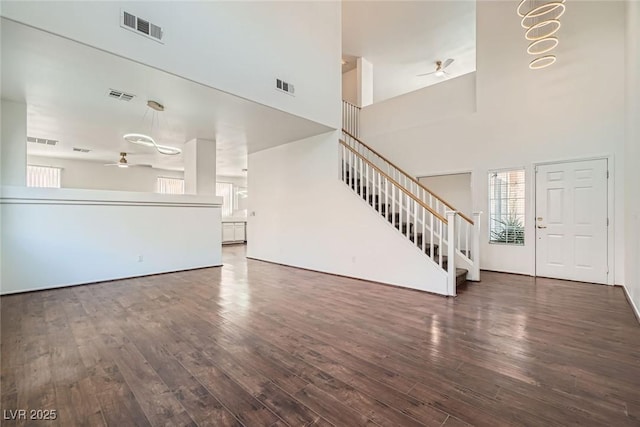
(610, 210)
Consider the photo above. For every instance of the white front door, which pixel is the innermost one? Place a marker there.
(571, 221)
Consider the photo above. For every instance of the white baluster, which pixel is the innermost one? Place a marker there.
(458, 219)
(415, 223)
(353, 121)
(393, 205)
(474, 274)
(440, 247)
(451, 254)
(401, 209)
(348, 118)
(360, 166)
(467, 230)
(424, 229)
(343, 166)
(408, 217)
(379, 189)
(348, 126)
(432, 252)
(367, 186)
(400, 198)
(386, 197)
(352, 170)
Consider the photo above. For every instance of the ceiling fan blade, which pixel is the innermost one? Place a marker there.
(129, 165)
(425, 74)
(446, 63)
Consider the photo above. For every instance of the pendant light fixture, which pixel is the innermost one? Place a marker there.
(541, 20)
(147, 140)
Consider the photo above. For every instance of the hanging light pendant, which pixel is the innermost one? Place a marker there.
(541, 20)
(147, 140)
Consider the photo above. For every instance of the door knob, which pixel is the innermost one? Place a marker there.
(542, 226)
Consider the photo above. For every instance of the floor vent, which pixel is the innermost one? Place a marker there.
(118, 94)
(141, 26)
(43, 141)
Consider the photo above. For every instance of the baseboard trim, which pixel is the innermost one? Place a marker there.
(634, 308)
(350, 277)
(507, 272)
(25, 291)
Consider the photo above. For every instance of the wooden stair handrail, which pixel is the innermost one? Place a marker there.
(396, 183)
(353, 105)
(444, 202)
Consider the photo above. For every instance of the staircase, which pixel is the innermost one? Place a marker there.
(447, 238)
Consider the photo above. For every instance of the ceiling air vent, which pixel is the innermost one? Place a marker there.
(128, 20)
(118, 94)
(286, 87)
(140, 26)
(43, 141)
(155, 32)
(81, 150)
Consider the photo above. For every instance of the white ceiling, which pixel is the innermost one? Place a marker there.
(402, 39)
(65, 85)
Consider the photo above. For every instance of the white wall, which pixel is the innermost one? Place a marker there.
(572, 110)
(96, 176)
(451, 98)
(365, 82)
(632, 155)
(350, 86)
(306, 217)
(237, 47)
(455, 188)
(200, 167)
(60, 237)
(13, 143)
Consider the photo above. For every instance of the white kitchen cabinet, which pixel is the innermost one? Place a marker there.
(239, 231)
(234, 231)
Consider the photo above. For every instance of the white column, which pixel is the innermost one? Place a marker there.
(13, 144)
(200, 167)
(364, 71)
(350, 86)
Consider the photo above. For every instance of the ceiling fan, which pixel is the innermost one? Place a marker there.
(440, 68)
(123, 163)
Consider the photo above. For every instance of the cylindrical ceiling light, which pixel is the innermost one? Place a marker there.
(541, 20)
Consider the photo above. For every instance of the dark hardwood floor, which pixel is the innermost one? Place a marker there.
(258, 344)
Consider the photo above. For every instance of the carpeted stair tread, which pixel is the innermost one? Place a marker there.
(461, 276)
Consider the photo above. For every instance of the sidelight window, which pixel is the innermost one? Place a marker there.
(507, 206)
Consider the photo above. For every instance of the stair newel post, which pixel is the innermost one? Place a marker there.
(451, 253)
(475, 247)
